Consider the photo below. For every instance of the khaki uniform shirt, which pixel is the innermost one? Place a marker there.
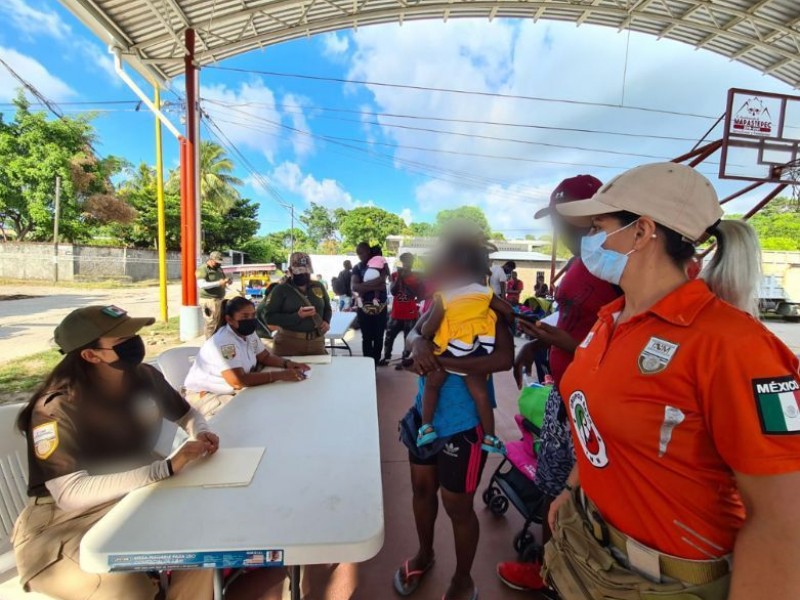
(286, 299)
(99, 434)
(204, 272)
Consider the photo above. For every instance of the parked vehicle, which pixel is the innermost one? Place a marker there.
(773, 300)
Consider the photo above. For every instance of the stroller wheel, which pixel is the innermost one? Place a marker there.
(522, 540)
(531, 553)
(488, 494)
(498, 505)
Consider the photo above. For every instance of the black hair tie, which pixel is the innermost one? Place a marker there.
(714, 229)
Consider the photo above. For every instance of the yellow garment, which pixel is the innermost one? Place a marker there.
(467, 316)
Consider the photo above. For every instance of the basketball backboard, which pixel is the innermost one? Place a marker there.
(761, 141)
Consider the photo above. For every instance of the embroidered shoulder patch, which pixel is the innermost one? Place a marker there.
(656, 356)
(318, 291)
(45, 440)
(778, 404)
(228, 351)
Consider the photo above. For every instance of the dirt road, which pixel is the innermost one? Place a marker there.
(26, 325)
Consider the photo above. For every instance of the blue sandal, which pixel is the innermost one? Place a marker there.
(493, 445)
(426, 434)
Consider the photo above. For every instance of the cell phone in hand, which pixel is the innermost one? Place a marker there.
(528, 317)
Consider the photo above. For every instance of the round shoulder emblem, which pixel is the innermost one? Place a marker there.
(318, 291)
(592, 443)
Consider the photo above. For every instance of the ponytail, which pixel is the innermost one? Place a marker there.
(734, 272)
(228, 308)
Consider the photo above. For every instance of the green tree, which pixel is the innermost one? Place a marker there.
(217, 182)
(264, 250)
(229, 229)
(139, 190)
(422, 230)
(320, 224)
(33, 152)
(497, 235)
(467, 213)
(777, 225)
(368, 224)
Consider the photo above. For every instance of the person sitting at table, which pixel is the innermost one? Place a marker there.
(229, 360)
(99, 409)
(302, 310)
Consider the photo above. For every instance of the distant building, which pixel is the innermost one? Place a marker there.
(419, 246)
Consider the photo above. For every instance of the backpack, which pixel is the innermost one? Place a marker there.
(338, 285)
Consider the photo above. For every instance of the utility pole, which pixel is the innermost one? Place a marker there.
(291, 245)
(56, 218)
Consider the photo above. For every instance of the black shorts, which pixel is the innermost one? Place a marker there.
(459, 463)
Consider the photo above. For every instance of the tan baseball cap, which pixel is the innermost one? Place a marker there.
(300, 263)
(673, 195)
(85, 325)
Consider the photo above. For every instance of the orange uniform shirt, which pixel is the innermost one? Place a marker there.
(666, 407)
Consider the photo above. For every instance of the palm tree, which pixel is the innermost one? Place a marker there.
(217, 183)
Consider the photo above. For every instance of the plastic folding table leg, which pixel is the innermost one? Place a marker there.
(294, 581)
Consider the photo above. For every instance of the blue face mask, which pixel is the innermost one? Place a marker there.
(603, 263)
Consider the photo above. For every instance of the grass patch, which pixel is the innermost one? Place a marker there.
(21, 375)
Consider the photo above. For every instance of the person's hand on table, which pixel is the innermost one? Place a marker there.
(302, 367)
(550, 335)
(289, 375)
(188, 453)
(325, 327)
(211, 441)
(306, 312)
(424, 358)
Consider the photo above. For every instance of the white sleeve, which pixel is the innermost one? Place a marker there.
(204, 285)
(81, 491)
(193, 423)
(260, 347)
(228, 357)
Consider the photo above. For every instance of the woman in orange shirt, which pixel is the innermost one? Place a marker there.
(685, 410)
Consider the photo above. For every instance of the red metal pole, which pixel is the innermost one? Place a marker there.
(189, 216)
(701, 153)
(186, 278)
(742, 192)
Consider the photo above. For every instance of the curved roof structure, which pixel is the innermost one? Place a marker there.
(764, 34)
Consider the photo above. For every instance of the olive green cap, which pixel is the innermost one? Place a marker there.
(217, 256)
(85, 325)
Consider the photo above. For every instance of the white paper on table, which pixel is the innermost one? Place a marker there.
(316, 359)
(551, 319)
(228, 467)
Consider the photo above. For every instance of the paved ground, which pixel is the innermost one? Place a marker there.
(26, 326)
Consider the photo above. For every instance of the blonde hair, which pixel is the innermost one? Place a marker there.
(734, 272)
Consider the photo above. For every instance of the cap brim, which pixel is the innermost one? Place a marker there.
(130, 327)
(542, 213)
(585, 208)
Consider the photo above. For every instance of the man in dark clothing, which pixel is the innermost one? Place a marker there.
(372, 297)
(344, 286)
(406, 288)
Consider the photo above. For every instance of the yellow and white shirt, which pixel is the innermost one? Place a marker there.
(223, 351)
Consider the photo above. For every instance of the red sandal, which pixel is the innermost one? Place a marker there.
(403, 583)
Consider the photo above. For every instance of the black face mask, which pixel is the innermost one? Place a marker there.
(301, 279)
(246, 327)
(130, 353)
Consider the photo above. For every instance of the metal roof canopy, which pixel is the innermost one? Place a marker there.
(763, 34)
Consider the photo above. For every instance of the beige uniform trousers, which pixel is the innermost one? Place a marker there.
(208, 403)
(211, 308)
(291, 343)
(46, 546)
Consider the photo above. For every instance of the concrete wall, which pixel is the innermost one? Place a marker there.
(36, 261)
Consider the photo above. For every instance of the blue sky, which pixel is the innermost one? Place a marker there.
(284, 125)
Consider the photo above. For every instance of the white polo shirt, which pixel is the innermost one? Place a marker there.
(497, 277)
(223, 351)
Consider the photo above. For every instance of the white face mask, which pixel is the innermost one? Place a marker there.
(603, 263)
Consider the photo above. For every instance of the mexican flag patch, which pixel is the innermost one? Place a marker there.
(778, 403)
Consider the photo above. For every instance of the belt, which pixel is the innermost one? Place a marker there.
(695, 572)
(301, 335)
(39, 500)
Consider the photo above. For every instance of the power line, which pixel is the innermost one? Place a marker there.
(459, 91)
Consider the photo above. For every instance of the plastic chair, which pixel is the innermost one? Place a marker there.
(13, 498)
(175, 364)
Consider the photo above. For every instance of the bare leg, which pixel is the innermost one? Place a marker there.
(430, 395)
(466, 532)
(476, 384)
(425, 485)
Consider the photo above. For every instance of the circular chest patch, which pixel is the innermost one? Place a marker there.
(591, 441)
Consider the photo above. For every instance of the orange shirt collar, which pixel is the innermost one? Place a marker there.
(679, 307)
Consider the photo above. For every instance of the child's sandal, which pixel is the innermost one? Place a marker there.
(493, 445)
(426, 434)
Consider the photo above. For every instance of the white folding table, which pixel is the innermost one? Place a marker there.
(315, 498)
(340, 324)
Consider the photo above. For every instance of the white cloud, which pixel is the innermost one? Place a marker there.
(407, 215)
(335, 44)
(98, 59)
(294, 108)
(552, 60)
(249, 115)
(34, 72)
(29, 20)
(326, 192)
